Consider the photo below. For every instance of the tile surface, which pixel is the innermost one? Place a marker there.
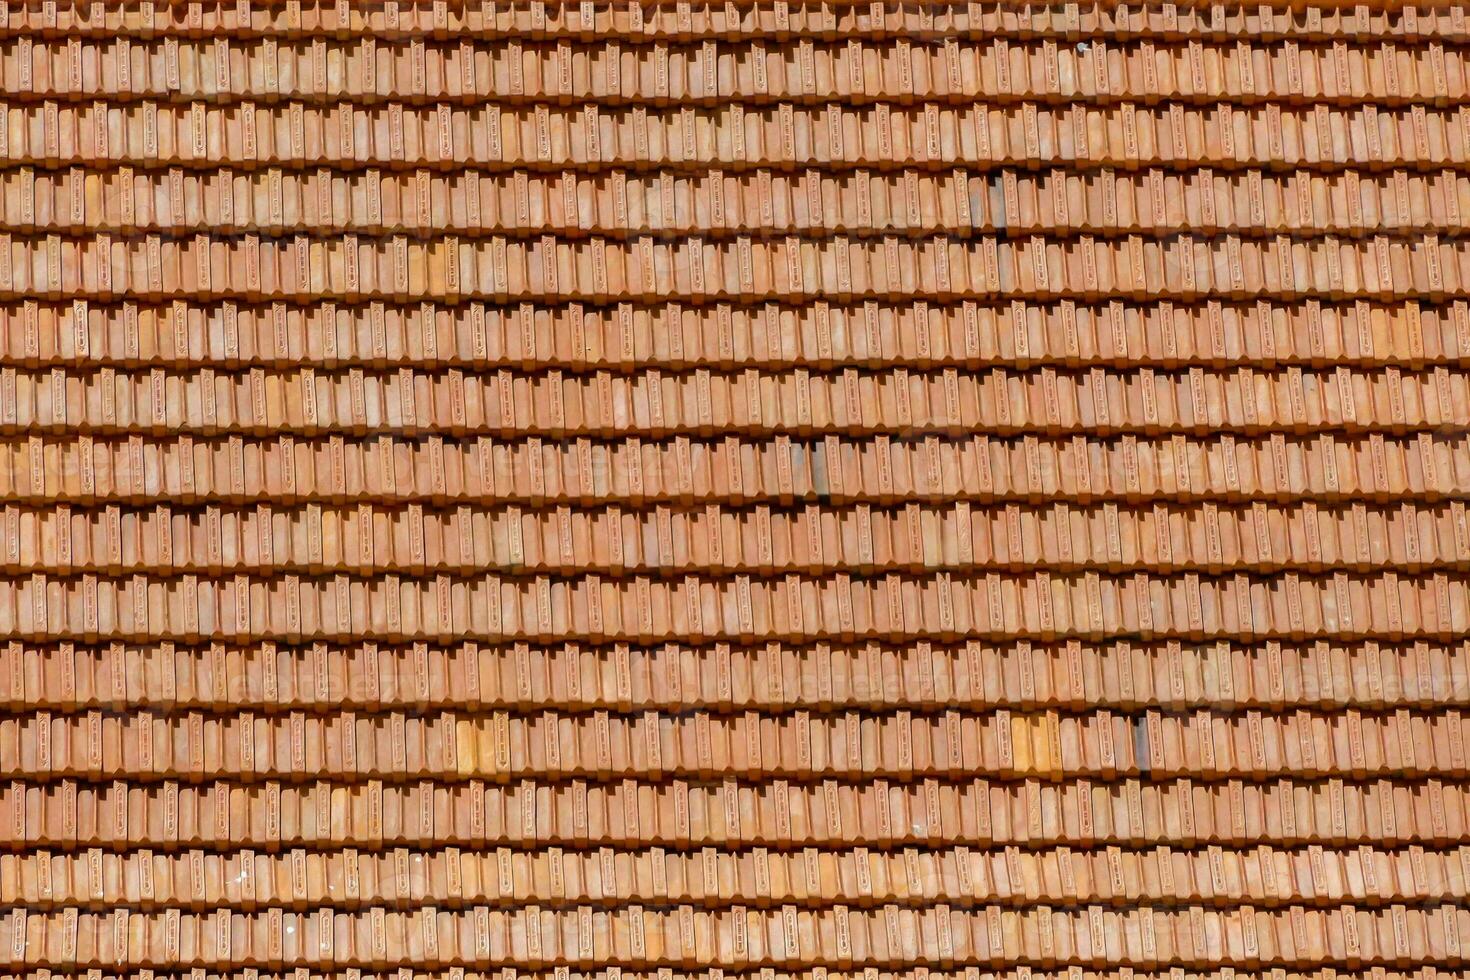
(734, 490)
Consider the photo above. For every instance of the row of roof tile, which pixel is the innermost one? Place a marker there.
(86, 469)
(402, 878)
(366, 70)
(273, 201)
(301, 268)
(502, 747)
(168, 814)
(1098, 402)
(485, 19)
(169, 539)
(547, 136)
(637, 936)
(1117, 675)
(1041, 605)
(1267, 332)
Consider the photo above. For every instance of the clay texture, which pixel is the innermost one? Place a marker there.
(706, 490)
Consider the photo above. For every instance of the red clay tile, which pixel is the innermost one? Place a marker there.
(838, 490)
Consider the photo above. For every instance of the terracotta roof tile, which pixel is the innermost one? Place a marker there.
(540, 490)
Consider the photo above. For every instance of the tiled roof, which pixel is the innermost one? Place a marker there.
(545, 490)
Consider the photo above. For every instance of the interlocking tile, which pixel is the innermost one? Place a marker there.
(561, 490)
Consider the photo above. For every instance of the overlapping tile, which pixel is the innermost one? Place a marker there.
(630, 491)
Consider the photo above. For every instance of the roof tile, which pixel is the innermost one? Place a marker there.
(640, 491)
